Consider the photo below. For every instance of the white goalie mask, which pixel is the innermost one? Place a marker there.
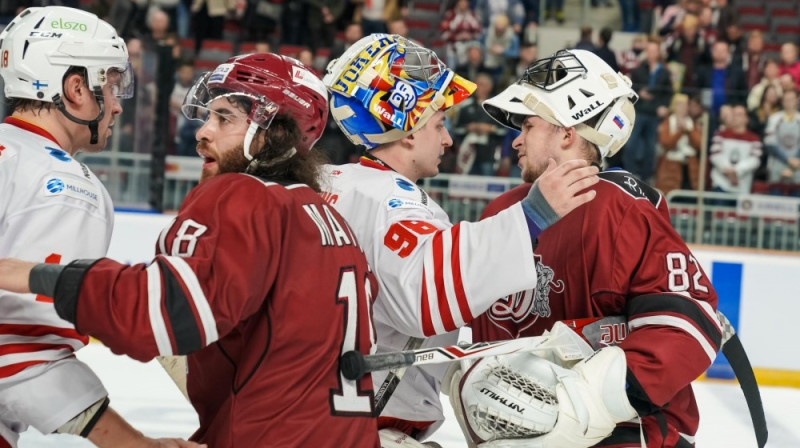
(569, 89)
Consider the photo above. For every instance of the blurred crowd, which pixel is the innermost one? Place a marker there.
(707, 87)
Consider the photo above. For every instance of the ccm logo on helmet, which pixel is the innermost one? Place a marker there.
(62, 25)
(588, 110)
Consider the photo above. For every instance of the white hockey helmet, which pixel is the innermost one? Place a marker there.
(567, 90)
(42, 43)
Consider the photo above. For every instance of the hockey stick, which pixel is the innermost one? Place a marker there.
(563, 341)
(175, 366)
(392, 380)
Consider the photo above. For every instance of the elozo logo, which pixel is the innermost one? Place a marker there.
(55, 185)
(60, 24)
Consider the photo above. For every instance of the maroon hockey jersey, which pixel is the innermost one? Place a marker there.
(263, 286)
(619, 255)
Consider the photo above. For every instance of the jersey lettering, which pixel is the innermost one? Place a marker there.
(185, 241)
(678, 275)
(349, 400)
(333, 231)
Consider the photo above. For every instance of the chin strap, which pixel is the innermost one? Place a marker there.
(248, 139)
(98, 94)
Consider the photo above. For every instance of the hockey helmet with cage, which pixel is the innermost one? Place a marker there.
(42, 43)
(384, 87)
(271, 84)
(569, 89)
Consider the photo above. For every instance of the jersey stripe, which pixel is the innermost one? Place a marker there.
(676, 322)
(154, 309)
(181, 317)
(14, 369)
(428, 271)
(199, 299)
(458, 284)
(438, 278)
(31, 347)
(427, 323)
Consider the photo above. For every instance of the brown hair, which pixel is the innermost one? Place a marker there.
(283, 134)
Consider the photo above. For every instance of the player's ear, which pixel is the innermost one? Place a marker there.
(570, 137)
(75, 89)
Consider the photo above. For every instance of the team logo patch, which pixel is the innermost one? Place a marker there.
(404, 184)
(72, 187)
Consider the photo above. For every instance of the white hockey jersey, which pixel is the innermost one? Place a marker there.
(52, 209)
(433, 277)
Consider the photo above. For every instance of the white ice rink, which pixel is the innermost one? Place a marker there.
(146, 397)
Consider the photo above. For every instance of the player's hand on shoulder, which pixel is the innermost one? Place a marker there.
(559, 190)
(561, 184)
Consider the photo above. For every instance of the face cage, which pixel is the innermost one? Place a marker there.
(200, 96)
(424, 68)
(554, 72)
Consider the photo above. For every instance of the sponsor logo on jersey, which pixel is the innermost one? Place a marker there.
(58, 153)
(395, 203)
(55, 185)
(404, 184)
(73, 188)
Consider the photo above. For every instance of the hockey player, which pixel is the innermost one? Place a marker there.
(616, 256)
(389, 95)
(257, 279)
(65, 72)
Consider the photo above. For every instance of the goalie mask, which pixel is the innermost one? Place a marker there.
(40, 45)
(264, 84)
(569, 89)
(384, 87)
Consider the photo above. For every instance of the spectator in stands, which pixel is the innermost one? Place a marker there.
(603, 50)
(321, 16)
(530, 27)
(770, 103)
(185, 142)
(474, 64)
(651, 80)
(705, 29)
(782, 141)
(687, 48)
(737, 45)
(261, 19)
(671, 18)
(397, 26)
(459, 28)
(555, 9)
(630, 58)
(722, 14)
(722, 80)
(514, 11)
(208, 19)
(352, 33)
(376, 14)
(754, 65)
(771, 77)
(629, 11)
(735, 155)
(680, 141)
(585, 40)
(477, 135)
(528, 54)
(789, 63)
(502, 46)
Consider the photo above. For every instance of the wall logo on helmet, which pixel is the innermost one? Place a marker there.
(592, 107)
(390, 117)
(403, 96)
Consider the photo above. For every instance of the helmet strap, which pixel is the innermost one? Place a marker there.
(98, 95)
(248, 139)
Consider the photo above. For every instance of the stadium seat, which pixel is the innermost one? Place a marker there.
(215, 50)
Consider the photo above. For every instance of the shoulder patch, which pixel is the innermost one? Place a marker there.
(404, 184)
(395, 203)
(64, 184)
(632, 185)
(58, 153)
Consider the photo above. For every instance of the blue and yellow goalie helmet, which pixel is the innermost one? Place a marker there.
(384, 87)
